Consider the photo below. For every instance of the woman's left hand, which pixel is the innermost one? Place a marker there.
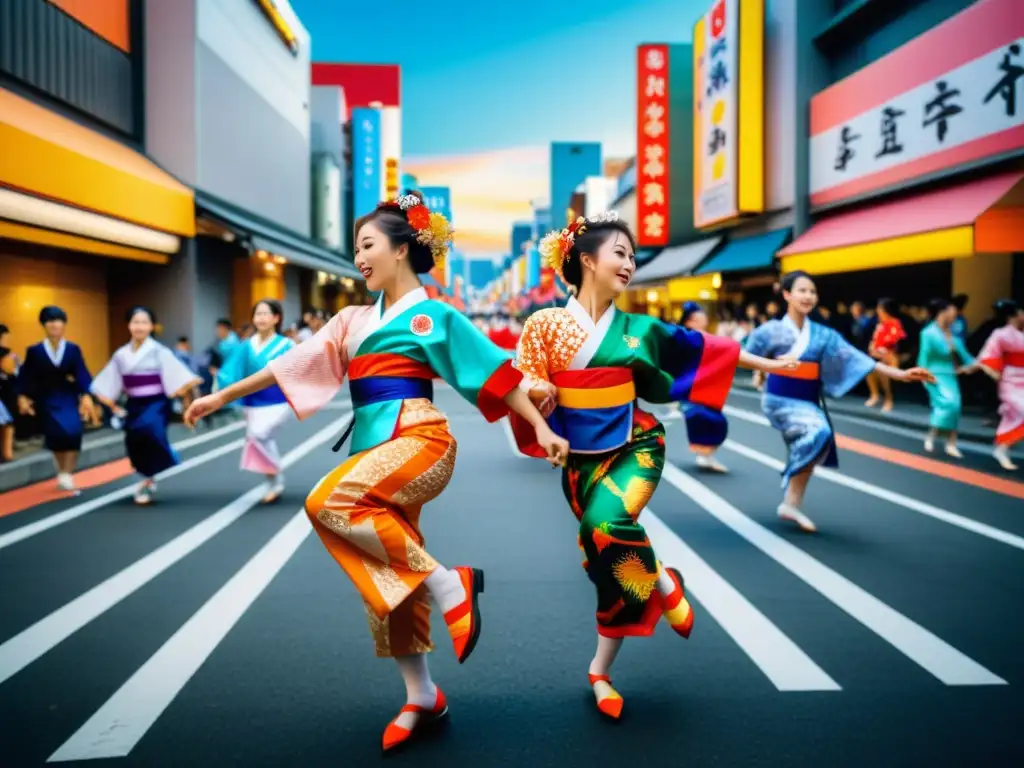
(784, 364)
(918, 374)
(557, 448)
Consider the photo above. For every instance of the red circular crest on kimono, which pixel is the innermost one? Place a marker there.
(421, 325)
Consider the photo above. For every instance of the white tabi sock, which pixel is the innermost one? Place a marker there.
(445, 588)
(665, 583)
(419, 687)
(607, 650)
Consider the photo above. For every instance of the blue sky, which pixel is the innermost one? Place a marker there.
(486, 76)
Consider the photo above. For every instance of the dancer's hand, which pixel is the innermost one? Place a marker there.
(922, 375)
(203, 407)
(26, 406)
(542, 395)
(88, 411)
(557, 448)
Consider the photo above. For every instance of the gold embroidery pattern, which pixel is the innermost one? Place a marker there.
(417, 558)
(391, 588)
(419, 411)
(380, 630)
(646, 461)
(633, 576)
(631, 341)
(337, 519)
(381, 462)
(638, 492)
(429, 484)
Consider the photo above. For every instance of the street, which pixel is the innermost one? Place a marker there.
(208, 630)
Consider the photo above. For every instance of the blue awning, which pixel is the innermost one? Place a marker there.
(675, 261)
(748, 254)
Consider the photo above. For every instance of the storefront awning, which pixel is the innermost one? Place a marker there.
(747, 254)
(63, 177)
(646, 256)
(676, 261)
(266, 236)
(984, 216)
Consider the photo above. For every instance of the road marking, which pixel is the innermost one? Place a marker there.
(20, 499)
(778, 657)
(921, 507)
(919, 645)
(37, 640)
(119, 724)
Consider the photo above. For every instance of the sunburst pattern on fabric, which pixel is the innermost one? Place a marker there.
(638, 492)
(645, 461)
(633, 576)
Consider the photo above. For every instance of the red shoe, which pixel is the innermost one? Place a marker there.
(610, 705)
(464, 619)
(396, 735)
(678, 612)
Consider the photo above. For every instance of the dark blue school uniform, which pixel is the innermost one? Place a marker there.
(55, 391)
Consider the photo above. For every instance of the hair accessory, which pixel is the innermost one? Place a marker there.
(432, 229)
(557, 244)
(405, 202)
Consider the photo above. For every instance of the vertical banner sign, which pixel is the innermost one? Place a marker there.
(439, 200)
(728, 112)
(391, 180)
(366, 172)
(652, 145)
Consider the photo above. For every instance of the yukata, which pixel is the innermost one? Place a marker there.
(793, 400)
(617, 450)
(149, 376)
(942, 355)
(55, 380)
(266, 410)
(402, 453)
(1004, 352)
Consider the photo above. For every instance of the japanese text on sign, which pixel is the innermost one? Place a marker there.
(652, 197)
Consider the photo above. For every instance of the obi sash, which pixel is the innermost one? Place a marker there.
(594, 409)
(1013, 360)
(802, 383)
(143, 384)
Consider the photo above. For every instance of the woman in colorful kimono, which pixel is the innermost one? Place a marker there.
(888, 334)
(367, 511)
(792, 401)
(150, 376)
(1004, 352)
(53, 384)
(585, 365)
(266, 410)
(943, 353)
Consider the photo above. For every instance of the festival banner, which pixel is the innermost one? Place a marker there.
(652, 145)
(366, 160)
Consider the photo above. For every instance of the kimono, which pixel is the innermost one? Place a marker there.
(617, 450)
(885, 339)
(55, 379)
(149, 376)
(793, 400)
(1004, 352)
(939, 355)
(402, 453)
(265, 411)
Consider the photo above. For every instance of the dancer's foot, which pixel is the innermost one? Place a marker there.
(678, 612)
(463, 619)
(794, 515)
(413, 719)
(145, 492)
(929, 445)
(887, 406)
(953, 451)
(710, 464)
(609, 702)
(274, 487)
(871, 402)
(1002, 455)
(65, 482)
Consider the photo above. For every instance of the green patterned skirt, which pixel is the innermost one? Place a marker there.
(607, 493)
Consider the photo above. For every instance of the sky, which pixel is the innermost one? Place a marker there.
(486, 87)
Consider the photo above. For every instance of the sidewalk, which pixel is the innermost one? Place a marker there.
(32, 464)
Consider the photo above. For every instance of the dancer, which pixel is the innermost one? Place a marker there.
(586, 365)
(267, 410)
(1004, 352)
(943, 353)
(792, 401)
(9, 365)
(53, 384)
(367, 510)
(151, 376)
(888, 333)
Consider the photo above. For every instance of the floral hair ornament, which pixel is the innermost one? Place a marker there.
(432, 229)
(557, 245)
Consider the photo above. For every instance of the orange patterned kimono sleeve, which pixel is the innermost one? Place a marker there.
(311, 373)
(532, 354)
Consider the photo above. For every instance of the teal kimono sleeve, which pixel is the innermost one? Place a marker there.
(475, 367)
(235, 367)
(966, 358)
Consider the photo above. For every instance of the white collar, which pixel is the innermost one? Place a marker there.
(409, 300)
(55, 355)
(258, 345)
(581, 316)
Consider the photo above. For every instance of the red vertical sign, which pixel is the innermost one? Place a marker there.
(652, 145)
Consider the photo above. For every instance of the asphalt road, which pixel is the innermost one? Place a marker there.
(210, 631)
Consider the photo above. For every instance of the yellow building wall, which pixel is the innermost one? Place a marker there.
(985, 278)
(76, 284)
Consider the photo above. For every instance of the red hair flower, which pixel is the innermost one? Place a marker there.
(419, 217)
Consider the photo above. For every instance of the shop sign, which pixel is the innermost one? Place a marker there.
(392, 179)
(652, 145)
(366, 160)
(953, 96)
(728, 112)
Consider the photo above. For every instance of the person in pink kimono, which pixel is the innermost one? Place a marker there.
(1004, 352)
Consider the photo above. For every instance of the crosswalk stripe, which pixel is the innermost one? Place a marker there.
(37, 640)
(778, 657)
(919, 645)
(119, 724)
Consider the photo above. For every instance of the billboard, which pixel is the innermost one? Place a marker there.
(652, 145)
(728, 112)
(366, 160)
(391, 151)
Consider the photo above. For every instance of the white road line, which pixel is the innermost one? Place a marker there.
(914, 505)
(778, 657)
(919, 645)
(37, 640)
(59, 518)
(118, 725)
